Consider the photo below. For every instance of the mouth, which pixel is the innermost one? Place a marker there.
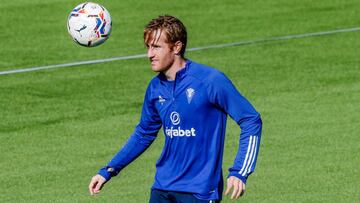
(153, 62)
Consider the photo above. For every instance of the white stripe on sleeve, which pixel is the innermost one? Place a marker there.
(254, 157)
(247, 155)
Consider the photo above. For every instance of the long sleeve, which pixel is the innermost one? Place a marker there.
(225, 96)
(144, 134)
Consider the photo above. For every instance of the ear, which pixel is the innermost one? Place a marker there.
(177, 47)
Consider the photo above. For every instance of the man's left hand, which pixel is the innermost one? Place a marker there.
(237, 185)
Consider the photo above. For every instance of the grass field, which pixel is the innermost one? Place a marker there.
(59, 126)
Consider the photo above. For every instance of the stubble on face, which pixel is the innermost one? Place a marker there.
(159, 51)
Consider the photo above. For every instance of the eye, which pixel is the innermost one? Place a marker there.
(156, 46)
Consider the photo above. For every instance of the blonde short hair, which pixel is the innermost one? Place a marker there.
(173, 28)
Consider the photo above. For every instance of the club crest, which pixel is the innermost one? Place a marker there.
(190, 92)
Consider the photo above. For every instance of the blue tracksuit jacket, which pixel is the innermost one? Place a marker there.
(192, 111)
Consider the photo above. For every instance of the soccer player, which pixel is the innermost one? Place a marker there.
(191, 102)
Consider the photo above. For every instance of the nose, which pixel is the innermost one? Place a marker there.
(150, 53)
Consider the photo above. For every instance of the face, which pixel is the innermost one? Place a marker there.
(160, 53)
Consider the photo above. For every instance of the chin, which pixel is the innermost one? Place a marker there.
(157, 68)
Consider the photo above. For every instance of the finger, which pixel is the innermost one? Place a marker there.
(236, 189)
(99, 185)
(92, 185)
(229, 186)
(243, 189)
(238, 194)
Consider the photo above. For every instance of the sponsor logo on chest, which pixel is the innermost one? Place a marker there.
(178, 131)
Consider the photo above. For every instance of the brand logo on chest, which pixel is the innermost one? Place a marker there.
(161, 100)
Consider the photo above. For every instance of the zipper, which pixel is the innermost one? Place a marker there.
(173, 91)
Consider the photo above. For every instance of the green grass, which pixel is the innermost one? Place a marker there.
(58, 127)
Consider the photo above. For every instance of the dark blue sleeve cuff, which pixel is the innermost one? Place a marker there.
(242, 178)
(104, 173)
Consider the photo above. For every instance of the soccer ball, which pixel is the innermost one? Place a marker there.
(89, 24)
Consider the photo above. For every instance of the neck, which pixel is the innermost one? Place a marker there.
(178, 64)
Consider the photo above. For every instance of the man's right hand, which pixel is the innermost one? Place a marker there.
(96, 183)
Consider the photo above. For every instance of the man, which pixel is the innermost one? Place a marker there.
(191, 102)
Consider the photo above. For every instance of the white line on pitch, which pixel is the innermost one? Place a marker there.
(264, 40)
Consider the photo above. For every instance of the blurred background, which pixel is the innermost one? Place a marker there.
(58, 127)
